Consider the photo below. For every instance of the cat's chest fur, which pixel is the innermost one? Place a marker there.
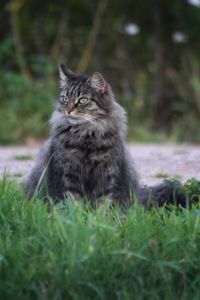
(83, 146)
(84, 160)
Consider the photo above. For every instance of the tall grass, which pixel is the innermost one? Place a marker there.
(68, 251)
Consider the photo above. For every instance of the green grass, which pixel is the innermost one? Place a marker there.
(68, 251)
(23, 157)
(166, 176)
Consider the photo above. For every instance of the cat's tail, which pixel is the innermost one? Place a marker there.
(166, 193)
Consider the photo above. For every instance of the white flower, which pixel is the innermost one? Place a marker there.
(179, 37)
(194, 2)
(131, 29)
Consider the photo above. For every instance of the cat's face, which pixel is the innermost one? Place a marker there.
(83, 98)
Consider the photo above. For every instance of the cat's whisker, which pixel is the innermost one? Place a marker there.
(46, 123)
(95, 122)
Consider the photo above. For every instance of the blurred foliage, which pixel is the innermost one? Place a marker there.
(25, 108)
(147, 50)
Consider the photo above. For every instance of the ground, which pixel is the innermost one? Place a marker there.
(153, 162)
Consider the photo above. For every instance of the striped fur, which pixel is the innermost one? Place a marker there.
(86, 154)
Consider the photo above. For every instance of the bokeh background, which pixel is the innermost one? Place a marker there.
(148, 50)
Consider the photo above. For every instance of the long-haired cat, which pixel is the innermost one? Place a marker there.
(86, 154)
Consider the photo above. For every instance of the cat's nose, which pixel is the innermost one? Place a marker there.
(69, 109)
(68, 112)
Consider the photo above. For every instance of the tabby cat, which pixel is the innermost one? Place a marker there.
(86, 155)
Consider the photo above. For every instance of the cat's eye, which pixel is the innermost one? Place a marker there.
(63, 99)
(83, 100)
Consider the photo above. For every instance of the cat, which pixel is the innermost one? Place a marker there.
(86, 155)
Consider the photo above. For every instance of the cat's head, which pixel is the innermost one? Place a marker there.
(83, 98)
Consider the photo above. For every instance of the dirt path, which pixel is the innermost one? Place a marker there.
(153, 162)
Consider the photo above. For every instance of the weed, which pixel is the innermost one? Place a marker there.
(165, 176)
(23, 157)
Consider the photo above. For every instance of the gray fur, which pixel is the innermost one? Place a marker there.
(86, 155)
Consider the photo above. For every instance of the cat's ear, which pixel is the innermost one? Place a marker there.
(97, 82)
(65, 75)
